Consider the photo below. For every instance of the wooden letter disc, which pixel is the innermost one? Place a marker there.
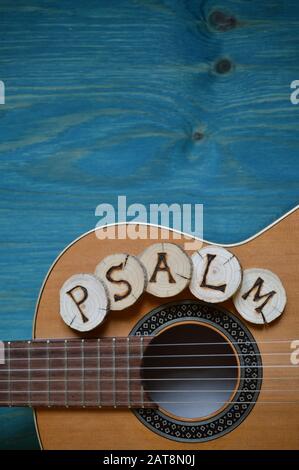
(125, 278)
(217, 274)
(84, 302)
(168, 268)
(261, 298)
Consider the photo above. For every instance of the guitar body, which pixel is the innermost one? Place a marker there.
(273, 425)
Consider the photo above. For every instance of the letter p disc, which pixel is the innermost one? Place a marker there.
(84, 302)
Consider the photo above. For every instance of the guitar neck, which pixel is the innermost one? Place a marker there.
(73, 373)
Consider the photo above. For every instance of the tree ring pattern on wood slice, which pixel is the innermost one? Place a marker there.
(261, 297)
(84, 302)
(251, 371)
(168, 267)
(125, 278)
(217, 274)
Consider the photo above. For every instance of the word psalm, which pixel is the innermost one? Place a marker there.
(164, 270)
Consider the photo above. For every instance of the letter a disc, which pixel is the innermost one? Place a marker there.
(168, 269)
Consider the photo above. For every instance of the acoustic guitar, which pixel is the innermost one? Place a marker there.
(172, 373)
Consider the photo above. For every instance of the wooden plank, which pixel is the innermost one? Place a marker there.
(133, 84)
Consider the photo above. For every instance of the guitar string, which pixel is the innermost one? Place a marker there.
(156, 379)
(154, 390)
(79, 403)
(250, 366)
(132, 356)
(160, 402)
(87, 346)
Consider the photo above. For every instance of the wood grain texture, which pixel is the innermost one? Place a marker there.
(268, 426)
(117, 95)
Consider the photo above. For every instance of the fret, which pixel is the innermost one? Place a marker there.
(48, 373)
(135, 392)
(91, 373)
(19, 383)
(128, 372)
(65, 375)
(106, 372)
(9, 373)
(29, 372)
(4, 391)
(113, 372)
(38, 372)
(82, 374)
(141, 386)
(98, 372)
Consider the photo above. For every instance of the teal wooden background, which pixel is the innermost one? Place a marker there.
(182, 101)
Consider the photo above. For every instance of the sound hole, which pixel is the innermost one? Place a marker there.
(190, 371)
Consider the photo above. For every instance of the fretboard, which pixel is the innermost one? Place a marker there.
(73, 373)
